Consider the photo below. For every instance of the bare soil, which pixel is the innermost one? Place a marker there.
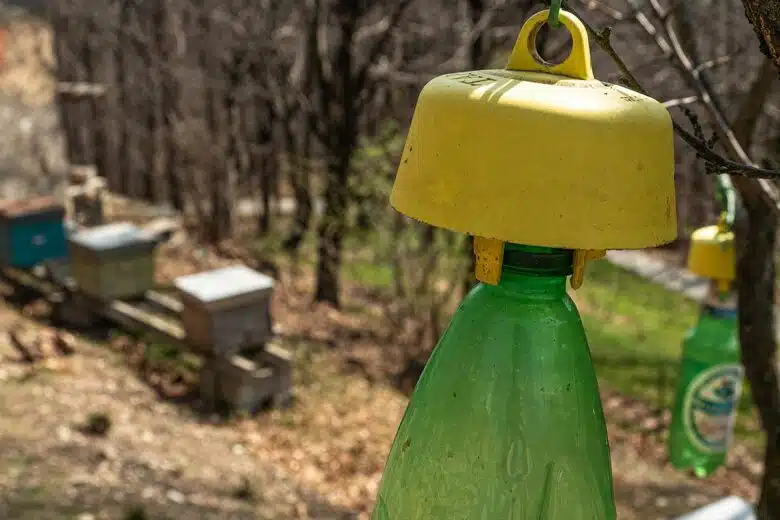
(155, 455)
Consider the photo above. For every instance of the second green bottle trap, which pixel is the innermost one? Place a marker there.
(709, 388)
(547, 168)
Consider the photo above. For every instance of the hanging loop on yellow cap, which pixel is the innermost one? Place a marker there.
(525, 57)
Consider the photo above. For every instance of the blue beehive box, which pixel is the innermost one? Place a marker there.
(32, 231)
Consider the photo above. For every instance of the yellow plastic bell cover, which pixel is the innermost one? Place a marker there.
(540, 154)
(712, 254)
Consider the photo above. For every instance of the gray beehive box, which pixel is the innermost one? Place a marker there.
(113, 261)
(237, 382)
(226, 310)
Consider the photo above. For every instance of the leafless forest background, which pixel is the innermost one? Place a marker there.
(201, 104)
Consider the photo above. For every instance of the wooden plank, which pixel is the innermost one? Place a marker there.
(267, 374)
(52, 280)
(165, 302)
(29, 279)
(137, 319)
(278, 354)
(58, 271)
(77, 90)
(281, 360)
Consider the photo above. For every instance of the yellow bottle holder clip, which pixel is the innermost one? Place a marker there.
(489, 255)
(582, 257)
(723, 286)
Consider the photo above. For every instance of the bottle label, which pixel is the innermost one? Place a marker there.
(710, 407)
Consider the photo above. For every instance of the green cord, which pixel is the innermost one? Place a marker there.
(727, 196)
(553, 19)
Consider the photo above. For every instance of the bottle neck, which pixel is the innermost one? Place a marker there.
(533, 270)
(719, 313)
(720, 303)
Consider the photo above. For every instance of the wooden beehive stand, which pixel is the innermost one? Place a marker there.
(222, 315)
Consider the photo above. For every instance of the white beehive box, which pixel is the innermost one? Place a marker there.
(226, 310)
(731, 508)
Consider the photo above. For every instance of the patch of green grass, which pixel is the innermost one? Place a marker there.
(33, 493)
(635, 330)
(159, 352)
(173, 356)
(369, 273)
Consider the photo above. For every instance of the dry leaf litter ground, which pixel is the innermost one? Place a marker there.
(320, 459)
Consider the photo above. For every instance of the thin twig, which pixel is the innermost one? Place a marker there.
(710, 64)
(678, 102)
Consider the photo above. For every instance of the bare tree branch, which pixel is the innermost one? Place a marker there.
(721, 164)
(388, 24)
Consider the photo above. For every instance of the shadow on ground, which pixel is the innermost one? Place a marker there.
(660, 501)
(79, 488)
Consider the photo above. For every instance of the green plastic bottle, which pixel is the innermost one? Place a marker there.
(709, 390)
(506, 420)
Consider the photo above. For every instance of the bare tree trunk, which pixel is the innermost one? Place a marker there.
(212, 68)
(94, 65)
(123, 50)
(102, 71)
(165, 27)
(72, 53)
(84, 105)
(266, 165)
(340, 147)
(479, 50)
(151, 101)
(297, 143)
(331, 231)
(299, 181)
(756, 243)
(397, 255)
(299, 147)
(764, 15)
(61, 29)
(756, 270)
